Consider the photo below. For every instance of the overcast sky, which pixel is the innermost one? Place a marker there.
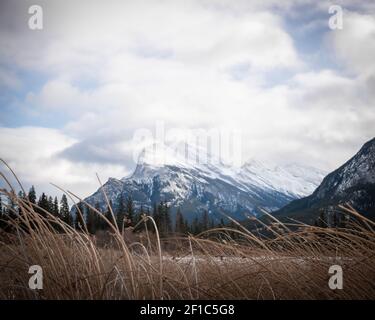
(73, 94)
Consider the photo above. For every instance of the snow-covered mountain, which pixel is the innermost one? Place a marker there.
(353, 182)
(194, 181)
(291, 179)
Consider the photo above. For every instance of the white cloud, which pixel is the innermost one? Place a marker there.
(33, 153)
(116, 66)
(355, 44)
(190, 33)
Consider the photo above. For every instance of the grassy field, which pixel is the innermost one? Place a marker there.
(218, 264)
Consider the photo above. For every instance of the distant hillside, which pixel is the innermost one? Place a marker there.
(353, 183)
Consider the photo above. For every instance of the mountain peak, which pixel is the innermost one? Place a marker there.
(180, 154)
(353, 182)
(369, 146)
(188, 177)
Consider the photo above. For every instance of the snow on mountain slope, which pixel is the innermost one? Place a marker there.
(353, 182)
(292, 179)
(189, 178)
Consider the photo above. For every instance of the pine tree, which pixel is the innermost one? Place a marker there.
(43, 205)
(185, 225)
(205, 220)
(196, 228)
(64, 211)
(167, 219)
(11, 210)
(212, 224)
(7, 215)
(120, 215)
(50, 204)
(55, 210)
(32, 195)
(22, 197)
(91, 221)
(222, 223)
(130, 210)
(180, 224)
(138, 218)
(156, 216)
(99, 221)
(108, 215)
(335, 220)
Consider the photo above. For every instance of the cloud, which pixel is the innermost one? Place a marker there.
(354, 46)
(112, 68)
(34, 154)
(189, 33)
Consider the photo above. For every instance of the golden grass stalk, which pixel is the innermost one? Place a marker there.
(221, 263)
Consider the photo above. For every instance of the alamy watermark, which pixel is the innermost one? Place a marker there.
(36, 280)
(336, 281)
(336, 21)
(194, 146)
(35, 21)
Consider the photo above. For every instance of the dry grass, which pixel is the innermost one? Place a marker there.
(289, 265)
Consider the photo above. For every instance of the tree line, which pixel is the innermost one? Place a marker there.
(329, 217)
(42, 205)
(124, 214)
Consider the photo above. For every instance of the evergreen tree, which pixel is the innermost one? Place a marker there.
(108, 215)
(205, 221)
(221, 224)
(22, 197)
(50, 205)
(91, 220)
(180, 223)
(43, 205)
(138, 217)
(168, 220)
(11, 210)
(212, 224)
(99, 221)
(335, 220)
(130, 210)
(120, 215)
(156, 216)
(64, 211)
(32, 195)
(55, 210)
(165, 219)
(195, 227)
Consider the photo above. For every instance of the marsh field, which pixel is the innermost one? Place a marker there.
(292, 262)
